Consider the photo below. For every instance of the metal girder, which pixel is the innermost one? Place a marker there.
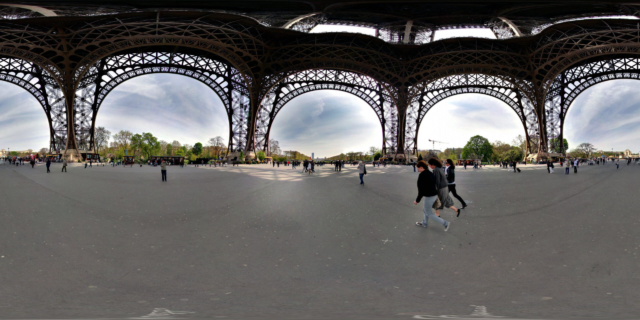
(73, 54)
(44, 88)
(300, 83)
(572, 82)
(112, 71)
(500, 88)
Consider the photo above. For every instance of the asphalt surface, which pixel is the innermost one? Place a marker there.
(264, 242)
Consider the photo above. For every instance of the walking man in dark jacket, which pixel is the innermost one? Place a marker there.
(48, 164)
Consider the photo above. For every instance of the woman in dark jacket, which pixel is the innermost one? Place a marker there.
(443, 186)
(451, 179)
(427, 189)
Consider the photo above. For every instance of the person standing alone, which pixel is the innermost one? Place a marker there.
(64, 165)
(362, 170)
(48, 164)
(163, 169)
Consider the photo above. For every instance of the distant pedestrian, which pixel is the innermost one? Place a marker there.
(362, 170)
(567, 165)
(427, 189)
(64, 165)
(617, 163)
(414, 166)
(575, 166)
(163, 170)
(32, 162)
(48, 164)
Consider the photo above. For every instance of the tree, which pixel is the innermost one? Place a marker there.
(101, 138)
(420, 157)
(587, 149)
(261, 155)
(168, 150)
(373, 150)
(479, 146)
(377, 156)
(43, 151)
(188, 149)
(515, 154)
(520, 142)
(556, 147)
(150, 144)
(163, 147)
(136, 143)
(197, 149)
(274, 146)
(123, 138)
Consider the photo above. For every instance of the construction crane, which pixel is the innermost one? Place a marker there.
(434, 143)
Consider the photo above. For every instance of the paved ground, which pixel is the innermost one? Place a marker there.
(254, 241)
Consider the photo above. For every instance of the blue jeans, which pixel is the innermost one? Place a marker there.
(566, 171)
(429, 213)
(361, 175)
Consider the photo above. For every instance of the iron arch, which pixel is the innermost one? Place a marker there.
(361, 86)
(500, 88)
(109, 72)
(573, 81)
(40, 84)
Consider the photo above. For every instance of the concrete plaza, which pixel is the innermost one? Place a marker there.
(263, 242)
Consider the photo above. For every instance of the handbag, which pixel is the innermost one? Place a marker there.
(365, 170)
(437, 204)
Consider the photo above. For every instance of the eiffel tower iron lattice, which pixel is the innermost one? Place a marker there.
(70, 58)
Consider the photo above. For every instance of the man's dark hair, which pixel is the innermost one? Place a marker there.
(421, 164)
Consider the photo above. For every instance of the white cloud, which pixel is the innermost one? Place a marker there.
(606, 115)
(326, 122)
(172, 107)
(458, 118)
(23, 123)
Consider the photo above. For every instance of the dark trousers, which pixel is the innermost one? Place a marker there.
(566, 171)
(575, 169)
(164, 175)
(452, 189)
(48, 169)
(64, 169)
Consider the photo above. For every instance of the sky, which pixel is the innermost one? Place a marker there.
(326, 122)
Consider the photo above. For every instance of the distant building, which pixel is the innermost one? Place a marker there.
(312, 155)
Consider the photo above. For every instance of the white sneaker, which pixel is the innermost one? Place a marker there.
(447, 227)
